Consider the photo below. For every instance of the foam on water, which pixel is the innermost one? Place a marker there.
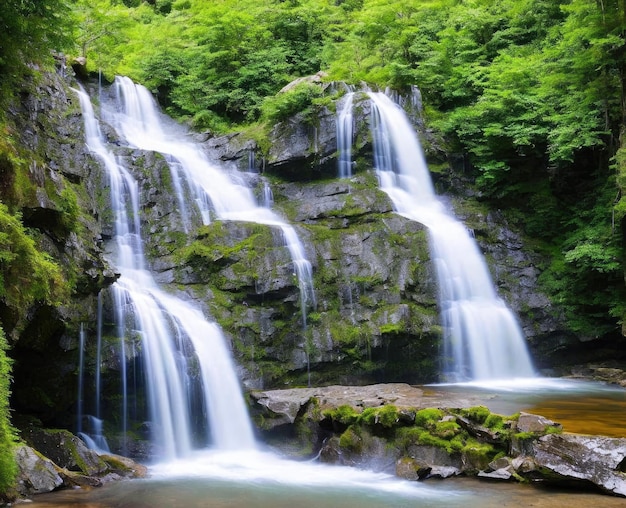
(539, 385)
(263, 467)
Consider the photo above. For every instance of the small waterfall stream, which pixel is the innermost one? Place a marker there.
(345, 136)
(176, 339)
(482, 339)
(215, 191)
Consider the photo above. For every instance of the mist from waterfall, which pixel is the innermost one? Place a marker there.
(482, 338)
(183, 353)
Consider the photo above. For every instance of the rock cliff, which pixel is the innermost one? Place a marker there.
(375, 317)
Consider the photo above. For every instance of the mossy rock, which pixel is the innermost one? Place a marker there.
(65, 450)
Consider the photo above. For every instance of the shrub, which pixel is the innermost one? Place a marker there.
(8, 467)
(300, 99)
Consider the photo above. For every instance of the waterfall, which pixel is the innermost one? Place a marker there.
(215, 191)
(179, 347)
(345, 135)
(268, 196)
(92, 434)
(482, 339)
(81, 371)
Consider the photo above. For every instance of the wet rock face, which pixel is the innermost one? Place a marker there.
(305, 150)
(65, 450)
(57, 191)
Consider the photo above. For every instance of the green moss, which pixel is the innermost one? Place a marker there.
(428, 417)
(494, 422)
(479, 454)
(477, 414)
(447, 429)
(344, 414)
(351, 440)
(392, 328)
(386, 416)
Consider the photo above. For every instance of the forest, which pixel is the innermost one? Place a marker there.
(530, 95)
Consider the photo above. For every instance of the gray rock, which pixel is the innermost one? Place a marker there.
(499, 474)
(596, 459)
(65, 450)
(36, 474)
(433, 456)
(535, 423)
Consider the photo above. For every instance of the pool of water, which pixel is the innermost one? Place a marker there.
(214, 493)
(253, 478)
(585, 407)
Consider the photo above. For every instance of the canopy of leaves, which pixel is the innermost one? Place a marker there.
(30, 30)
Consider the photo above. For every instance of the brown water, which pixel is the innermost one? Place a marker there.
(601, 415)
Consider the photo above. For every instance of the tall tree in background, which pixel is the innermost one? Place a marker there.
(29, 31)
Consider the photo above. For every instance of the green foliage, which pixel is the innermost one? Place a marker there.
(70, 211)
(26, 273)
(527, 90)
(31, 31)
(8, 467)
(299, 99)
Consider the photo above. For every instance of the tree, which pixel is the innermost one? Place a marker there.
(29, 31)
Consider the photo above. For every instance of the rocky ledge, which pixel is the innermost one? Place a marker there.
(419, 435)
(48, 460)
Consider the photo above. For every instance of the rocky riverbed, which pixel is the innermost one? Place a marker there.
(416, 433)
(420, 435)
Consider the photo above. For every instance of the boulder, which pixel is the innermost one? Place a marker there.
(65, 450)
(535, 423)
(283, 406)
(595, 459)
(36, 474)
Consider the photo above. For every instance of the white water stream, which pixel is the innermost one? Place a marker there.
(214, 190)
(169, 329)
(345, 136)
(482, 339)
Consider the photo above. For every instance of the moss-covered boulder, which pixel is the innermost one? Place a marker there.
(65, 450)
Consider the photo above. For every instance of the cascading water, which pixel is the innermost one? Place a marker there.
(345, 134)
(176, 339)
(91, 433)
(214, 190)
(482, 339)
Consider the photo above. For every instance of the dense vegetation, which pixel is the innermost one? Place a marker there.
(30, 33)
(530, 92)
